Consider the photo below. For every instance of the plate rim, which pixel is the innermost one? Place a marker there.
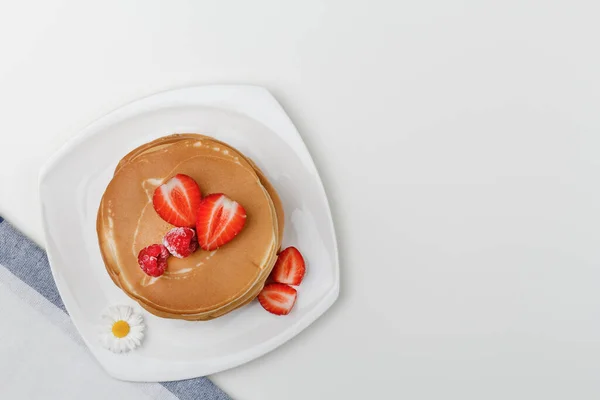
(146, 104)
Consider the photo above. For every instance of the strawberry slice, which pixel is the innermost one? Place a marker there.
(277, 298)
(289, 268)
(219, 220)
(177, 200)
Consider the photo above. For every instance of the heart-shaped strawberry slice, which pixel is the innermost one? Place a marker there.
(219, 220)
(289, 268)
(277, 298)
(177, 200)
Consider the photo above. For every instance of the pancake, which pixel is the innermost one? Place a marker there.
(206, 284)
(167, 140)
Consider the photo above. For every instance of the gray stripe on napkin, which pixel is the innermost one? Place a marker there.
(196, 389)
(28, 262)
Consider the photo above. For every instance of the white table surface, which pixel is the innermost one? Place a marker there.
(458, 142)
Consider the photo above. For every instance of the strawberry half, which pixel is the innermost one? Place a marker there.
(278, 298)
(219, 220)
(177, 200)
(289, 267)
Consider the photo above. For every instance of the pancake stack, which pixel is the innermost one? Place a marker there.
(207, 284)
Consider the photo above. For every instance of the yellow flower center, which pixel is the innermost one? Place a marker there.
(120, 329)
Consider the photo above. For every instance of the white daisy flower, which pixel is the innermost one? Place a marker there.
(122, 329)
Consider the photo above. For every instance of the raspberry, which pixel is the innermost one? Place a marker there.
(181, 242)
(153, 259)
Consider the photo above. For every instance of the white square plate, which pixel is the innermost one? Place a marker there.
(73, 181)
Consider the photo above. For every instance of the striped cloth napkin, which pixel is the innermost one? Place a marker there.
(41, 353)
